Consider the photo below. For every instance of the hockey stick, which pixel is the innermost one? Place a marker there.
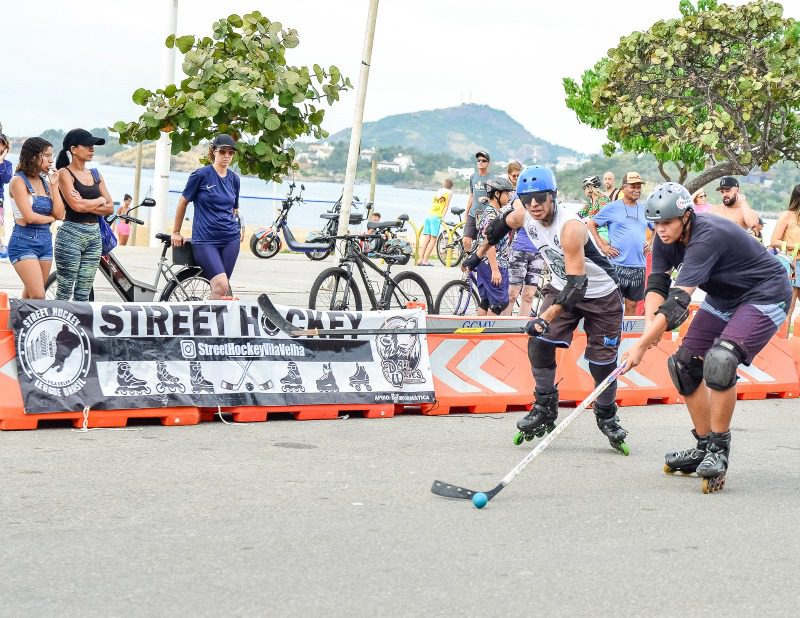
(282, 324)
(447, 490)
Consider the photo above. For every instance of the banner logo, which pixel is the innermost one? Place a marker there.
(400, 353)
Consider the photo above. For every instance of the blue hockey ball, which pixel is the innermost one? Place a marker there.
(480, 500)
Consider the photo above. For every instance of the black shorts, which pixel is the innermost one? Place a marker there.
(602, 321)
(631, 282)
(470, 228)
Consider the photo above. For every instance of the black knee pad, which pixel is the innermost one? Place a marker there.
(541, 353)
(484, 304)
(601, 372)
(719, 369)
(497, 309)
(686, 371)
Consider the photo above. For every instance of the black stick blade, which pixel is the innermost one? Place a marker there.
(451, 491)
(274, 316)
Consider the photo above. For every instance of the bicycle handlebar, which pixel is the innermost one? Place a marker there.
(126, 218)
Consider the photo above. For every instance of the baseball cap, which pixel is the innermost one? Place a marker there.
(81, 137)
(727, 182)
(223, 141)
(632, 178)
(482, 153)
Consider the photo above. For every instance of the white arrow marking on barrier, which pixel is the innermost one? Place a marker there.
(439, 358)
(636, 378)
(472, 363)
(754, 374)
(10, 369)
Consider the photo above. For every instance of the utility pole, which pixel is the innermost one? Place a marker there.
(358, 119)
(137, 183)
(158, 216)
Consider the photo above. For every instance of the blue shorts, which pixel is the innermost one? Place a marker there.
(490, 293)
(32, 242)
(431, 226)
(216, 259)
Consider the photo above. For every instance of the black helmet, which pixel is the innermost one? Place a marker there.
(668, 201)
(593, 181)
(498, 184)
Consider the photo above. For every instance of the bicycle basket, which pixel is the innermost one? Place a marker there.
(183, 255)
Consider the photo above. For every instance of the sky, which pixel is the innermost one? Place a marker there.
(71, 63)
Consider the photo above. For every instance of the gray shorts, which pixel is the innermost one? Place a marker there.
(631, 282)
(525, 268)
(470, 228)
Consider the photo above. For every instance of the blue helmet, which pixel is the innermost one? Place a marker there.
(535, 178)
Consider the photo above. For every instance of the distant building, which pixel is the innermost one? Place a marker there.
(404, 161)
(460, 172)
(367, 154)
(568, 163)
(389, 166)
(320, 151)
(759, 178)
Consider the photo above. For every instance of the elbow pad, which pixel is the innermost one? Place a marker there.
(573, 292)
(497, 229)
(659, 283)
(675, 308)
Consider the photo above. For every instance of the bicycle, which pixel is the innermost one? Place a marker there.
(185, 284)
(460, 296)
(449, 242)
(335, 288)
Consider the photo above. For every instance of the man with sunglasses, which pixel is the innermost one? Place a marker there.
(626, 246)
(583, 286)
(476, 206)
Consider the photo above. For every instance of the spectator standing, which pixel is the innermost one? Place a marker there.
(78, 244)
(214, 189)
(700, 201)
(595, 200)
(734, 205)
(35, 204)
(786, 237)
(627, 245)
(525, 265)
(6, 173)
(430, 229)
(475, 206)
(609, 181)
(123, 228)
(492, 272)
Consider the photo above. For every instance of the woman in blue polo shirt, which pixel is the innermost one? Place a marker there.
(214, 189)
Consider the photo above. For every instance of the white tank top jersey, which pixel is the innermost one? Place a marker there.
(599, 271)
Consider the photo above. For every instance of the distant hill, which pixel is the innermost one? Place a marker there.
(459, 131)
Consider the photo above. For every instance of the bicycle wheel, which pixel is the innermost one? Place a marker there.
(408, 287)
(265, 247)
(316, 256)
(443, 247)
(51, 288)
(192, 287)
(334, 289)
(457, 298)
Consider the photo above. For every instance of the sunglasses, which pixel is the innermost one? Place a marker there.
(483, 160)
(226, 151)
(540, 197)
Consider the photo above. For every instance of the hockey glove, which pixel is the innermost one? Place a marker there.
(537, 326)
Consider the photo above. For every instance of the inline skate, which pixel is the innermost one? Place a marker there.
(167, 381)
(541, 420)
(128, 384)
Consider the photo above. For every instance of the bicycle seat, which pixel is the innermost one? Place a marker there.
(165, 238)
(457, 211)
(355, 217)
(382, 225)
(394, 258)
(403, 218)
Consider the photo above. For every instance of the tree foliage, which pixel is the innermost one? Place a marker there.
(239, 83)
(716, 91)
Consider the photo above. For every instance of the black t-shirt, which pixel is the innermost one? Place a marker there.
(724, 261)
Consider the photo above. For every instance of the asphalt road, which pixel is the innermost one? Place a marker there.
(336, 518)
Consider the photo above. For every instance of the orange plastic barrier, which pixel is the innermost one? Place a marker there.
(318, 412)
(12, 413)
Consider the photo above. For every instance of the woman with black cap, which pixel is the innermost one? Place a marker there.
(86, 197)
(214, 189)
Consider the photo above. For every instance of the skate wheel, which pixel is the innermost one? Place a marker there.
(623, 448)
(181, 388)
(519, 438)
(358, 387)
(249, 386)
(369, 388)
(668, 470)
(713, 484)
(160, 388)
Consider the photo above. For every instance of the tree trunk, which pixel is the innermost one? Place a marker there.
(663, 172)
(725, 168)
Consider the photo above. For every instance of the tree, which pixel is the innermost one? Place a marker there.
(238, 82)
(716, 91)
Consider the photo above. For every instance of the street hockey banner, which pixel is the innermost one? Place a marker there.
(216, 353)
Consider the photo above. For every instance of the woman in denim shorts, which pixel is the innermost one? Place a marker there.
(35, 205)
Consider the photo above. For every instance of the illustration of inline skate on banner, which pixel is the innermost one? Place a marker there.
(111, 356)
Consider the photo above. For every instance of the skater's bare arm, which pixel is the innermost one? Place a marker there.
(180, 212)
